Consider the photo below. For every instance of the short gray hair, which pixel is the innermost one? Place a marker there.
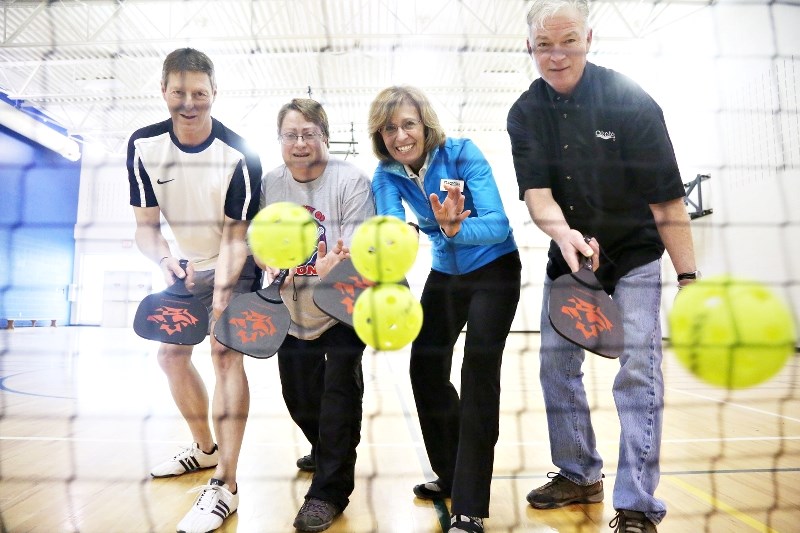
(541, 10)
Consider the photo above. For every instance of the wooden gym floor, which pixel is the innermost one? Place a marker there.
(84, 413)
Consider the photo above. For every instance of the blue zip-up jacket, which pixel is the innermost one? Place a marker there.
(484, 236)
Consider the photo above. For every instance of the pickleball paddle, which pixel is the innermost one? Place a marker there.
(174, 315)
(583, 313)
(336, 293)
(255, 324)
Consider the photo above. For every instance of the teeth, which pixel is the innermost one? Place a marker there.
(404, 149)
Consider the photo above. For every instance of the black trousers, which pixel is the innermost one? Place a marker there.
(460, 434)
(323, 386)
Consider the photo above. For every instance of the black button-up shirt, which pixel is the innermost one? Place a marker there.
(606, 155)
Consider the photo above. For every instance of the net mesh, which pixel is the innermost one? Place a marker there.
(85, 412)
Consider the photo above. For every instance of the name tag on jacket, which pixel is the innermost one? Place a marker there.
(452, 183)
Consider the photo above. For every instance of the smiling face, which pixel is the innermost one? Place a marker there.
(405, 139)
(189, 96)
(307, 157)
(559, 49)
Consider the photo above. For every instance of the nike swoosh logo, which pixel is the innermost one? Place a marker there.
(165, 181)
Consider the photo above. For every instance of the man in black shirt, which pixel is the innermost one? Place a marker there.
(593, 159)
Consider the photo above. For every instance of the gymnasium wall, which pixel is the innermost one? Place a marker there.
(111, 275)
(38, 207)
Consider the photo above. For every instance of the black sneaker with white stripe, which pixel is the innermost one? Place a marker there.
(187, 460)
(432, 490)
(214, 504)
(460, 523)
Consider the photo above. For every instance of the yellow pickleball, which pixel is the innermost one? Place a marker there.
(730, 332)
(387, 316)
(384, 249)
(283, 235)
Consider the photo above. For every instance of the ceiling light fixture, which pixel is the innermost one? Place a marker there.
(24, 124)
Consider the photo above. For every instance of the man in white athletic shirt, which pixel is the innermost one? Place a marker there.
(200, 176)
(320, 360)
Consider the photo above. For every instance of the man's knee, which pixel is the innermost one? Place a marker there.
(226, 360)
(173, 358)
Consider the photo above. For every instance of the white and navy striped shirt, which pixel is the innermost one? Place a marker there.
(195, 187)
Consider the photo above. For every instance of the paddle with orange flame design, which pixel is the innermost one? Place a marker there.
(174, 315)
(255, 324)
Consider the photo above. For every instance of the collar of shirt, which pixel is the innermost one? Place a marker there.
(581, 92)
(419, 178)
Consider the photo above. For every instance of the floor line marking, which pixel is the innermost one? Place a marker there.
(439, 505)
(718, 504)
(737, 405)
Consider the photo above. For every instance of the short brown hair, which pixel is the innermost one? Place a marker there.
(383, 107)
(311, 109)
(188, 60)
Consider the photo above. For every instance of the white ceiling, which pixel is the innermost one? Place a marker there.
(94, 66)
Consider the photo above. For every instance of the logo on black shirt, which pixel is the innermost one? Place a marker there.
(606, 135)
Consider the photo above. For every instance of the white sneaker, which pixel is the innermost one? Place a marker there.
(214, 504)
(187, 460)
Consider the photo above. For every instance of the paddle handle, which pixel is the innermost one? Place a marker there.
(179, 287)
(272, 293)
(585, 275)
(586, 262)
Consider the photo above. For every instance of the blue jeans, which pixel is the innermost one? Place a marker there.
(638, 394)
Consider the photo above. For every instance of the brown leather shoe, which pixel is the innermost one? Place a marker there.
(561, 491)
(631, 522)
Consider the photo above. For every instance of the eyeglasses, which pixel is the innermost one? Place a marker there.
(292, 138)
(407, 125)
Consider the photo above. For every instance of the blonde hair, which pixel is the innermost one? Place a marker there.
(386, 103)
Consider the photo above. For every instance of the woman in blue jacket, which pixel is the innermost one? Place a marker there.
(474, 281)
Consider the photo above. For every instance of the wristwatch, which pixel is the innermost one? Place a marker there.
(689, 275)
